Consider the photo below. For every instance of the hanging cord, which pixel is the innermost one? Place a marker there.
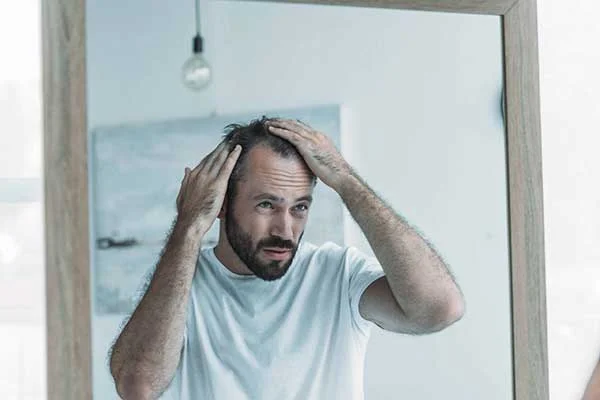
(198, 17)
(198, 46)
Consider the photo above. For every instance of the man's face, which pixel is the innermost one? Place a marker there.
(269, 212)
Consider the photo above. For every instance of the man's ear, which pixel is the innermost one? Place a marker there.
(221, 214)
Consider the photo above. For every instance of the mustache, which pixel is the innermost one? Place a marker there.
(277, 242)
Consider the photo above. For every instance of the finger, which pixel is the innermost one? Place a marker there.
(222, 152)
(290, 124)
(215, 153)
(291, 136)
(227, 167)
(306, 126)
(295, 127)
(279, 122)
(208, 159)
(200, 165)
(183, 187)
(186, 177)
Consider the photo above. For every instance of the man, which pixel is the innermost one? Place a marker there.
(263, 315)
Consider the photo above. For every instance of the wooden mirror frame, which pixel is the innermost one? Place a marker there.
(68, 311)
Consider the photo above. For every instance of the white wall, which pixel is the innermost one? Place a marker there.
(422, 125)
(135, 51)
(570, 86)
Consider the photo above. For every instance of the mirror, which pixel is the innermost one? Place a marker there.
(413, 101)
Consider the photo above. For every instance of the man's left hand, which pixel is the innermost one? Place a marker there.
(318, 151)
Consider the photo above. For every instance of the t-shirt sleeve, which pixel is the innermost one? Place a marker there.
(363, 270)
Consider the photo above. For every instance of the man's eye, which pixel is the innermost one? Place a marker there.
(268, 204)
(302, 207)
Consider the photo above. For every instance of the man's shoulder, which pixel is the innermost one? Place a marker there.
(325, 253)
(331, 252)
(325, 249)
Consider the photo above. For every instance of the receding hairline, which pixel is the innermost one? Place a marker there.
(245, 135)
(264, 145)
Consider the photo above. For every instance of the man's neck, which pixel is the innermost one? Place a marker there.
(229, 259)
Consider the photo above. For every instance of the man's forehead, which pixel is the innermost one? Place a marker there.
(266, 166)
(278, 198)
(265, 157)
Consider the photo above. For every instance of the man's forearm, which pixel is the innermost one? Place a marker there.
(419, 280)
(147, 352)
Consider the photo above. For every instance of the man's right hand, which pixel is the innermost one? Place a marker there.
(203, 189)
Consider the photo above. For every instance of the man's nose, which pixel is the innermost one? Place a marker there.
(282, 226)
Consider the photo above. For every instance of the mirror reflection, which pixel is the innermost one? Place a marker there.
(355, 246)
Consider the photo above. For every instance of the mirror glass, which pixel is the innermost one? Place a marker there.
(412, 100)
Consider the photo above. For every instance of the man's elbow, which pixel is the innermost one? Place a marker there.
(133, 388)
(455, 310)
(446, 314)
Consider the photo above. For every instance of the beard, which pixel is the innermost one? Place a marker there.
(241, 243)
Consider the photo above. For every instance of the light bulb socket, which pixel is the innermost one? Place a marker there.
(198, 45)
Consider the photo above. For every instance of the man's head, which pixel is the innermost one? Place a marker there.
(267, 200)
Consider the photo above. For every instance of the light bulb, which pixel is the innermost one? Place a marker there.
(196, 72)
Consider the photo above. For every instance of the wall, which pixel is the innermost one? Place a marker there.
(135, 51)
(569, 65)
(424, 100)
(22, 248)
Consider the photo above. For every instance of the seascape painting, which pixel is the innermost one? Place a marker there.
(136, 173)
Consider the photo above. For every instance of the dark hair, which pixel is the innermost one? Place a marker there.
(249, 136)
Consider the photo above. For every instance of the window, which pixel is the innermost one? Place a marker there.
(22, 277)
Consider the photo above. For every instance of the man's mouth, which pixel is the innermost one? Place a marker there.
(276, 252)
(276, 249)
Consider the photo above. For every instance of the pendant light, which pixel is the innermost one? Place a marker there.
(196, 71)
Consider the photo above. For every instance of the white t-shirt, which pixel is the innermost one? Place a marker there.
(300, 337)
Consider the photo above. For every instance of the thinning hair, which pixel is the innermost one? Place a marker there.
(249, 136)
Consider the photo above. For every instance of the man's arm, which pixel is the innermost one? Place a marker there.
(418, 294)
(146, 354)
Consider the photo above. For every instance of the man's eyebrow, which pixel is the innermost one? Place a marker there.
(278, 199)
